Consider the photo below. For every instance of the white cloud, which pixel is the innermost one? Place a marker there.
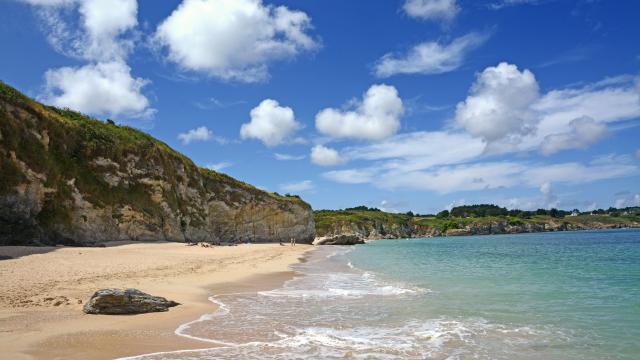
(199, 134)
(638, 154)
(583, 133)
(432, 9)
(628, 201)
(325, 156)
(429, 57)
(103, 88)
(487, 175)
(270, 123)
(300, 186)
(103, 26)
(103, 35)
(607, 101)
(549, 198)
(233, 39)
(219, 166)
(420, 150)
(451, 160)
(351, 176)
(499, 104)
(375, 118)
(288, 157)
(505, 3)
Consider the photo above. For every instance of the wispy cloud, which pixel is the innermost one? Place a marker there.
(219, 166)
(300, 186)
(430, 57)
(213, 103)
(288, 157)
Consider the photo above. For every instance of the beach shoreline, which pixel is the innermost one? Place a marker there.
(33, 327)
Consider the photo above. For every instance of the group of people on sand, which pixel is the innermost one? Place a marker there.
(292, 242)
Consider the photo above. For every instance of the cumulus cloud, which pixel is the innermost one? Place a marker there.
(429, 57)
(270, 123)
(325, 156)
(103, 88)
(300, 186)
(580, 116)
(583, 133)
(104, 36)
(432, 9)
(376, 117)
(199, 134)
(288, 157)
(233, 39)
(499, 103)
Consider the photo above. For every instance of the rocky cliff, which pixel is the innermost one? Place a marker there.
(381, 225)
(66, 178)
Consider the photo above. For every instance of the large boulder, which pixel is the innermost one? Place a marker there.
(343, 239)
(125, 301)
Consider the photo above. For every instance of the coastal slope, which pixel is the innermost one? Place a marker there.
(370, 223)
(66, 178)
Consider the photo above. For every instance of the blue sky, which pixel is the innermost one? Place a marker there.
(403, 105)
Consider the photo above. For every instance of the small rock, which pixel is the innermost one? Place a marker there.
(125, 301)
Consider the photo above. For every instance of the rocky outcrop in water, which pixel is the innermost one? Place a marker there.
(125, 302)
(342, 239)
(69, 179)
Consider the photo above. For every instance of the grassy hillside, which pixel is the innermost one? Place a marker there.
(67, 153)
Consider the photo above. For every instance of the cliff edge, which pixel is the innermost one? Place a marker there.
(66, 178)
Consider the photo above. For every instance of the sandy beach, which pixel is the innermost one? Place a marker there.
(44, 289)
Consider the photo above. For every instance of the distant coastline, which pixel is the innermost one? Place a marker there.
(372, 224)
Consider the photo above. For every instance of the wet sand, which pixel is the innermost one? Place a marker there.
(44, 289)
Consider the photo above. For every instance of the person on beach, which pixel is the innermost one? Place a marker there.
(293, 241)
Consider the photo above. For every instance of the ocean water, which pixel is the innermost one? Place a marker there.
(566, 295)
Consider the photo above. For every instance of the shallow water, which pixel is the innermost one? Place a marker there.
(571, 295)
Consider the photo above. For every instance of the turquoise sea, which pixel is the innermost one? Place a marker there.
(565, 295)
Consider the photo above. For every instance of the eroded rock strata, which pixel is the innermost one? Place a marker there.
(69, 179)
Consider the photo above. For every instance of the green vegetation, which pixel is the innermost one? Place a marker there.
(63, 145)
(326, 220)
(472, 216)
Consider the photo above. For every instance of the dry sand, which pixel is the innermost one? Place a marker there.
(43, 291)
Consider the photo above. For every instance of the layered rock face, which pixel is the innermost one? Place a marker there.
(68, 179)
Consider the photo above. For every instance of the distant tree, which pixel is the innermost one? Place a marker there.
(110, 122)
(362, 208)
(554, 213)
(541, 212)
(409, 213)
(443, 214)
(481, 210)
